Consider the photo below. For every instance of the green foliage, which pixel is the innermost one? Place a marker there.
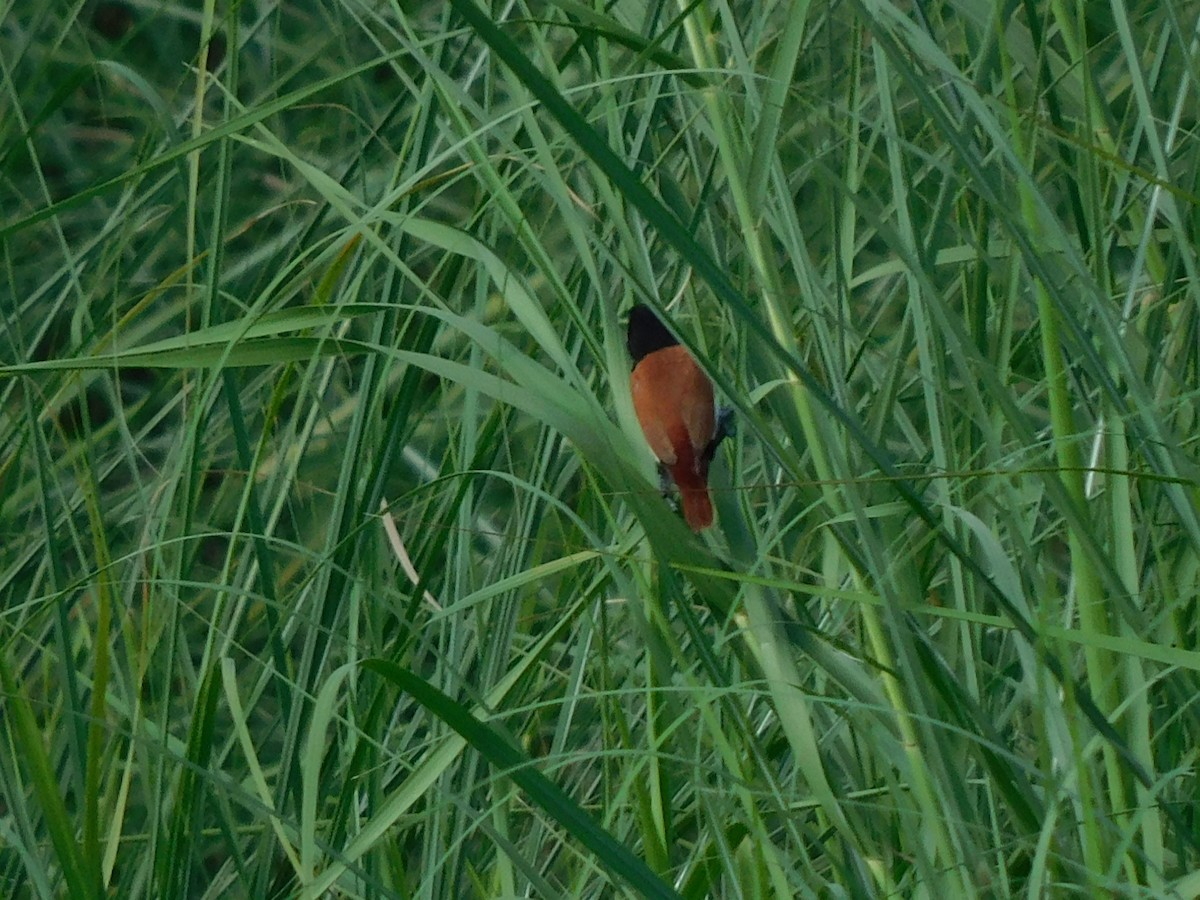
(333, 559)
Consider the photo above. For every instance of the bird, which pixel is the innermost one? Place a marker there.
(673, 401)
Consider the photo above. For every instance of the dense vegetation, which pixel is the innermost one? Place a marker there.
(333, 558)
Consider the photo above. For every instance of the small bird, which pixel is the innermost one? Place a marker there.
(673, 400)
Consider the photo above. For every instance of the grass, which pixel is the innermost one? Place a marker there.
(333, 561)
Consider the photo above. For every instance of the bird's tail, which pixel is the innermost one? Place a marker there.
(697, 507)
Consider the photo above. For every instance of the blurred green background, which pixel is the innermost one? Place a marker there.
(333, 563)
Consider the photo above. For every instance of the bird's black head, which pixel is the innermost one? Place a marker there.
(647, 333)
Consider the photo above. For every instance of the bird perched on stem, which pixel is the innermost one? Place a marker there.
(673, 400)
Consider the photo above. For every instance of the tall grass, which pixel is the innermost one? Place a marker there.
(333, 560)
